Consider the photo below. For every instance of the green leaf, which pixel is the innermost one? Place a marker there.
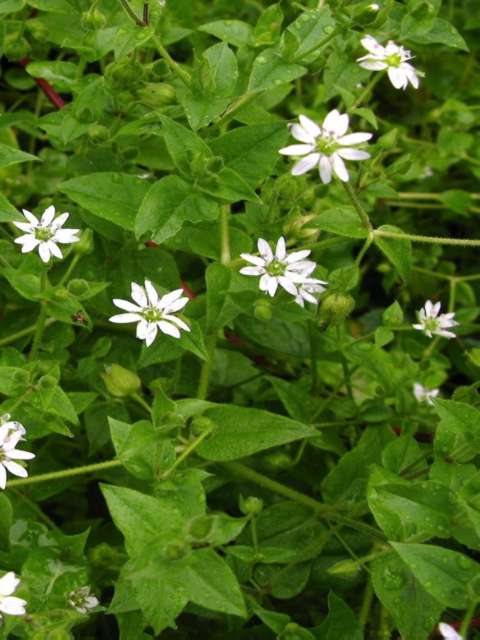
(168, 204)
(240, 432)
(143, 520)
(221, 68)
(6, 520)
(270, 70)
(446, 575)
(183, 145)
(13, 380)
(393, 315)
(399, 252)
(343, 221)
(8, 213)
(251, 151)
(432, 30)
(341, 623)
(115, 197)
(10, 155)
(414, 611)
(166, 348)
(458, 434)
(61, 74)
(234, 32)
(311, 29)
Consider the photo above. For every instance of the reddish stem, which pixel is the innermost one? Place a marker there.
(47, 88)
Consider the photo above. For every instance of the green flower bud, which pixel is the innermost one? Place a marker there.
(294, 631)
(288, 190)
(98, 132)
(93, 19)
(263, 310)
(345, 568)
(61, 293)
(47, 382)
(121, 382)
(156, 94)
(278, 461)
(78, 287)
(299, 228)
(200, 527)
(201, 424)
(177, 550)
(251, 506)
(336, 307)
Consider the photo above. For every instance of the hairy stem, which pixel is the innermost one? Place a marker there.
(186, 453)
(203, 383)
(174, 66)
(467, 619)
(367, 91)
(64, 473)
(362, 214)
(42, 318)
(225, 256)
(460, 242)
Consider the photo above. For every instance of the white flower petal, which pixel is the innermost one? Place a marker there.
(265, 250)
(152, 294)
(3, 477)
(252, 271)
(126, 305)
(66, 236)
(256, 260)
(397, 77)
(24, 226)
(297, 149)
(299, 133)
(264, 280)
(310, 126)
(13, 606)
(295, 256)
(138, 295)
(59, 221)
(44, 251)
(354, 138)
(8, 583)
(372, 45)
(48, 216)
(305, 164)
(281, 249)
(125, 318)
(152, 332)
(18, 454)
(15, 468)
(177, 322)
(340, 168)
(288, 285)
(372, 65)
(448, 632)
(353, 154)
(169, 329)
(325, 170)
(176, 305)
(54, 249)
(142, 329)
(169, 298)
(30, 217)
(336, 123)
(28, 242)
(272, 286)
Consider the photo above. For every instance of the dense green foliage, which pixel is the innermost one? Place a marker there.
(271, 473)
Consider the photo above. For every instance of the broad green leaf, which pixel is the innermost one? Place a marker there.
(428, 31)
(143, 520)
(251, 151)
(457, 437)
(448, 576)
(270, 70)
(414, 610)
(61, 74)
(10, 155)
(184, 145)
(168, 204)
(13, 380)
(341, 623)
(7, 210)
(343, 221)
(234, 32)
(269, 24)
(240, 432)
(222, 71)
(166, 348)
(311, 29)
(115, 197)
(398, 251)
(6, 520)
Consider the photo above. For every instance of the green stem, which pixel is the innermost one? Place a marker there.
(65, 473)
(237, 104)
(22, 333)
(467, 619)
(225, 256)
(186, 452)
(70, 269)
(313, 356)
(452, 295)
(366, 602)
(174, 66)
(143, 403)
(253, 527)
(131, 13)
(42, 318)
(325, 244)
(363, 250)
(202, 391)
(343, 360)
(461, 242)
(362, 214)
(366, 92)
(241, 470)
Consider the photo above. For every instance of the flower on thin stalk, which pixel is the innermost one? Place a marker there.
(279, 268)
(10, 434)
(422, 394)
(151, 312)
(325, 146)
(82, 600)
(392, 57)
(308, 289)
(432, 322)
(10, 604)
(448, 632)
(45, 234)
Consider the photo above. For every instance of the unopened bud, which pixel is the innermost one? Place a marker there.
(93, 19)
(85, 244)
(345, 568)
(177, 550)
(251, 506)
(201, 424)
(336, 307)
(278, 461)
(121, 382)
(262, 310)
(98, 132)
(156, 94)
(200, 527)
(78, 287)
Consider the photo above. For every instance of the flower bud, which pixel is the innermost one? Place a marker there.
(177, 550)
(345, 568)
(288, 190)
(201, 424)
(278, 461)
(93, 19)
(156, 94)
(294, 631)
(98, 132)
(85, 244)
(47, 382)
(251, 506)
(200, 527)
(263, 310)
(121, 382)
(78, 287)
(299, 228)
(336, 307)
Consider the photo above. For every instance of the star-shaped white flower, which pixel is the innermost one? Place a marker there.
(151, 312)
(279, 268)
(9, 604)
(325, 146)
(82, 600)
(394, 58)
(9, 438)
(447, 632)
(14, 428)
(308, 289)
(432, 322)
(422, 394)
(45, 234)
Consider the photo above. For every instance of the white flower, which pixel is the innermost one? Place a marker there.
(151, 312)
(9, 438)
(82, 600)
(14, 428)
(448, 632)
(325, 146)
(422, 394)
(431, 321)
(307, 289)
(394, 58)
(45, 234)
(9, 604)
(279, 268)
(374, 6)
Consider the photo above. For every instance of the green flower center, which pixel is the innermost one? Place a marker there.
(326, 144)
(431, 324)
(395, 60)
(43, 234)
(152, 315)
(276, 268)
